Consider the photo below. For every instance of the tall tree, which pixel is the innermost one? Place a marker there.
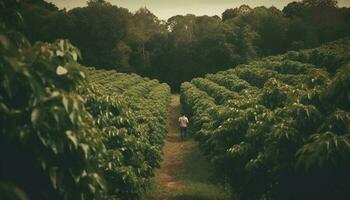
(229, 14)
(97, 29)
(320, 3)
(182, 28)
(320, 21)
(144, 26)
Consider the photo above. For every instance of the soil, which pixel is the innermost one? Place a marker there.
(184, 172)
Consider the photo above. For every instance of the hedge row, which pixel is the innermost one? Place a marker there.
(285, 135)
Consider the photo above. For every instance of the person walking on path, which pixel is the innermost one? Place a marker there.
(183, 122)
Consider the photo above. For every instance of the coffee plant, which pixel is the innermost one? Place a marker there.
(71, 132)
(281, 129)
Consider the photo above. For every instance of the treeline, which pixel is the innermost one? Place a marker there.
(187, 46)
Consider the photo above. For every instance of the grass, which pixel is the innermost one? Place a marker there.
(198, 183)
(199, 191)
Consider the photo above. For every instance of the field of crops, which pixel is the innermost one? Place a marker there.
(71, 132)
(278, 128)
(131, 113)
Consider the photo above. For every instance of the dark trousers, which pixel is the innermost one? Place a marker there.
(183, 132)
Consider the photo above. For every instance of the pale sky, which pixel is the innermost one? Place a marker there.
(164, 9)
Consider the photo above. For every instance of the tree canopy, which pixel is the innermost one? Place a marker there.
(184, 46)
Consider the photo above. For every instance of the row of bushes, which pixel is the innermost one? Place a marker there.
(66, 134)
(132, 125)
(277, 139)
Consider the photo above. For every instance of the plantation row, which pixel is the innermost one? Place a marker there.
(131, 113)
(70, 132)
(278, 128)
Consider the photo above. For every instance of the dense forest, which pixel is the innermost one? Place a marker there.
(184, 47)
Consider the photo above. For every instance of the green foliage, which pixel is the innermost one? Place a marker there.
(338, 89)
(188, 46)
(284, 134)
(332, 55)
(70, 132)
(220, 93)
(130, 113)
(230, 81)
(45, 126)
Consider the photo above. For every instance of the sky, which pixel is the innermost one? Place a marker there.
(165, 9)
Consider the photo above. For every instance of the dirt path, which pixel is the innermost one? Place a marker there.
(184, 174)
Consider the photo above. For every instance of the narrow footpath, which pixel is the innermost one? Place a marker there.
(185, 174)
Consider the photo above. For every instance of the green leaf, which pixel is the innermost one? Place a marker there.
(4, 41)
(61, 71)
(71, 136)
(85, 149)
(65, 102)
(35, 115)
(53, 176)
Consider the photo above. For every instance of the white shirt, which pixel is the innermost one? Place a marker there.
(183, 121)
